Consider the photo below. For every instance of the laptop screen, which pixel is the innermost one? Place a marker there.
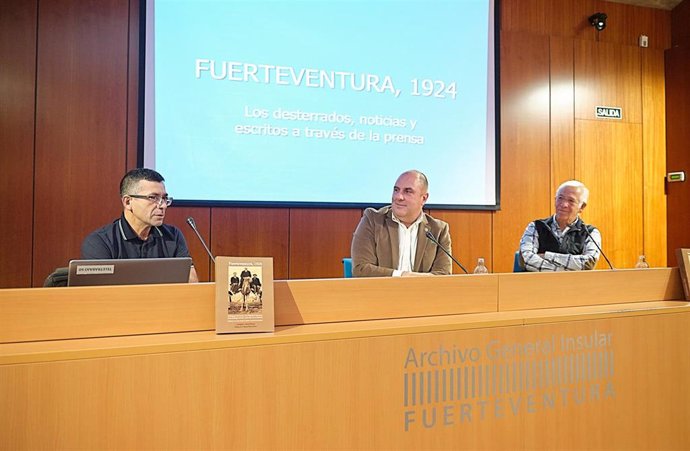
(133, 271)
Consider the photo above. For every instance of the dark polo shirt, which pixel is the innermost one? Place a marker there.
(118, 240)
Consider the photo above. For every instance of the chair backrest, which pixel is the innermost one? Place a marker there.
(347, 267)
(57, 278)
(517, 263)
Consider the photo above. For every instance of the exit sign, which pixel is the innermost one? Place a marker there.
(608, 112)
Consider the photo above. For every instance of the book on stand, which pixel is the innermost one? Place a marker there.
(244, 294)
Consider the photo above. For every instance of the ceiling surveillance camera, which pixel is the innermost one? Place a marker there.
(598, 21)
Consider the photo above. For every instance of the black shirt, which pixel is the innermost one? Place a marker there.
(119, 241)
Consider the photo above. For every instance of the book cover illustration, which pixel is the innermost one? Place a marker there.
(244, 294)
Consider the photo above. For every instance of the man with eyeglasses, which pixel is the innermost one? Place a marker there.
(562, 242)
(139, 232)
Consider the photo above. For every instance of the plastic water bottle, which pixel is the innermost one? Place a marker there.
(481, 267)
(642, 262)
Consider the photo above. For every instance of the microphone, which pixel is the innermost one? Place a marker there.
(584, 227)
(433, 238)
(192, 224)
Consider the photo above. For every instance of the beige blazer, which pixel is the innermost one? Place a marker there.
(375, 247)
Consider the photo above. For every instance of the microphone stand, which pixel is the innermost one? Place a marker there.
(192, 224)
(433, 238)
(584, 227)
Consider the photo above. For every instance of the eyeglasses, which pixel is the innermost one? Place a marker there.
(158, 200)
(571, 202)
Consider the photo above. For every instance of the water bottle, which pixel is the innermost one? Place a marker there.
(480, 268)
(641, 262)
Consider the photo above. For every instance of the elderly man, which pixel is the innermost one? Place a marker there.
(392, 241)
(562, 242)
(139, 232)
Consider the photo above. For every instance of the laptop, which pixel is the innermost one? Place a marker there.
(131, 271)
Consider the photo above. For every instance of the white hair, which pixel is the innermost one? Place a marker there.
(582, 189)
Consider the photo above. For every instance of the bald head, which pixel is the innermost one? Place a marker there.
(420, 178)
(409, 196)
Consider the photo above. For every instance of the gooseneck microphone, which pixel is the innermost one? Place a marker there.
(433, 238)
(192, 224)
(584, 227)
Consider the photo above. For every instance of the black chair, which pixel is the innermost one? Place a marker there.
(57, 278)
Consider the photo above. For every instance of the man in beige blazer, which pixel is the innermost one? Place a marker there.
(391, 241)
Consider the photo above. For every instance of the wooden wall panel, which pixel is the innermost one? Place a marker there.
(677, 63)
(678, 154)
(523, 15)
(569, 18)
(133, 85)
(257, 232)
(319, 239)
(608, 159)
(626, 23)
(470, 234)
(80, 124)
(562, 112)
(607, 75)
(525, 150)
(654, 23)
(556, 17)
(17, 105)
(654, 156)
(177, 216)
(680, 18)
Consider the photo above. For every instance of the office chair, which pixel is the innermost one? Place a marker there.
(57, 278)
(347, 267)
(517, 266)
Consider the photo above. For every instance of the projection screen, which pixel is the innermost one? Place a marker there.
(321, 103)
